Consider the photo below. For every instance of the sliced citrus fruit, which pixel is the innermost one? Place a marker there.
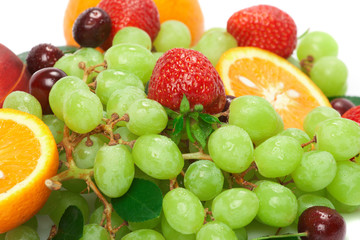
(254, 71)
(28, 156)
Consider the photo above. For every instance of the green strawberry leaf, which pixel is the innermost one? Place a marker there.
(188, 130)
(354, 99)
(206, 128)
(178, 124)
(71, 224)
(292, 236)
(209, 118)
(171, 113)
(142, 202)
(198, 108)
(194, 115)
(199, 134)
(184, 105)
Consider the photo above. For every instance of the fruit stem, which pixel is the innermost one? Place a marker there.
(196, 155)
(308, 143)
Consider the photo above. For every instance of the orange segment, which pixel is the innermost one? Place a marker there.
(28, 156)
(253, 71)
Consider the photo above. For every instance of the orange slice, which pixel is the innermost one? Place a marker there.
(28, 156)
(253, 71)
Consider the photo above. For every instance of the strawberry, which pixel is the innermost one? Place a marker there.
(353, 114)
(136, 13)
(266, 27)
(185, 71)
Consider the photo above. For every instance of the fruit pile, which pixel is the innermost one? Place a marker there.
(176, 133)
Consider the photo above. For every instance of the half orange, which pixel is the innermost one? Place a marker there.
(28, 156)
(254, 71)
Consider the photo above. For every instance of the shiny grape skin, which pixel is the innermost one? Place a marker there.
(41, 56)
(341, 105)
(322, 223)
(92, 27)
(40, 84)
(229, 98)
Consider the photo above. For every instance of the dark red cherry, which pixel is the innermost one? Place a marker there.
(92, 27)
(41, 83)
(229, 98)
(342, 105)
(41, 56)
(322, 223)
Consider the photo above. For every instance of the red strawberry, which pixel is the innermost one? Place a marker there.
(184, 71)
(136, 13)
(353, 114)
(266, 27)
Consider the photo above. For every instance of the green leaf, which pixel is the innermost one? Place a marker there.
(188, 130)
(171, 113)
(194, 115)
(71, 224)
(142, 202)
(184, 105)
(291, 236)
(206, 128)
(198, 134)
(178, 124)
(209, 118)
(198, 107)
(64, 49)
(354, 99)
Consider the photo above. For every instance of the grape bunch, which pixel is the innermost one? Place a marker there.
(109, 115)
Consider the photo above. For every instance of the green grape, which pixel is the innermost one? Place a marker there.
(59, 201)
(346, 185)
(84, 153)
(55, 125)
(241, 233)
(256, 116)
(278, 156)
(341, 207)
(294, 62)
(24, 102)
(204, 179)
(317, 169)
(114, 170)
(61, 89)
(69, 63)
(216, 230)
(120, 101)
(133, 35)
(172, 34)
(116, 221)
(278, 205)
(94, 231)
(125, 134)
(299, 135)
(149, 224)
(231, 148)
(82, 111)
(110, 80)
(142, 234)
(236, 207)
(316, 116)
(157, 156)
(183, 211)
(171, 234)
(131, 58)
(214, 43)
(330, 75)
(317, 44)
(146, 116)
(309, 200)
(340, 137)
(22, 233)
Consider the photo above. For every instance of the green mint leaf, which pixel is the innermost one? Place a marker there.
(184, 105)
(198, 134)
(207, 128)
(188, 130)
(209, 118)
(71, 224)
(291, 236)
(178, 124)
(198, 108)
(194, 115)
(142, 202)
(355, 100)
(171, 113)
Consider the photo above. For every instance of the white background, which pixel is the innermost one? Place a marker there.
(24, 24)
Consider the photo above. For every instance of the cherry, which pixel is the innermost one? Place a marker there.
(92, 27)
(341, 105)
(41, 83)
(322, 223)
(41, 56)
(229, 98)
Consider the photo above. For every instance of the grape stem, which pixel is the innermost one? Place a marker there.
(196, 155)
(89, 70)
(307, 63)
(308, 143)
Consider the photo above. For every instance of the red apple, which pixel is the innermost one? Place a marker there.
(14, 74)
